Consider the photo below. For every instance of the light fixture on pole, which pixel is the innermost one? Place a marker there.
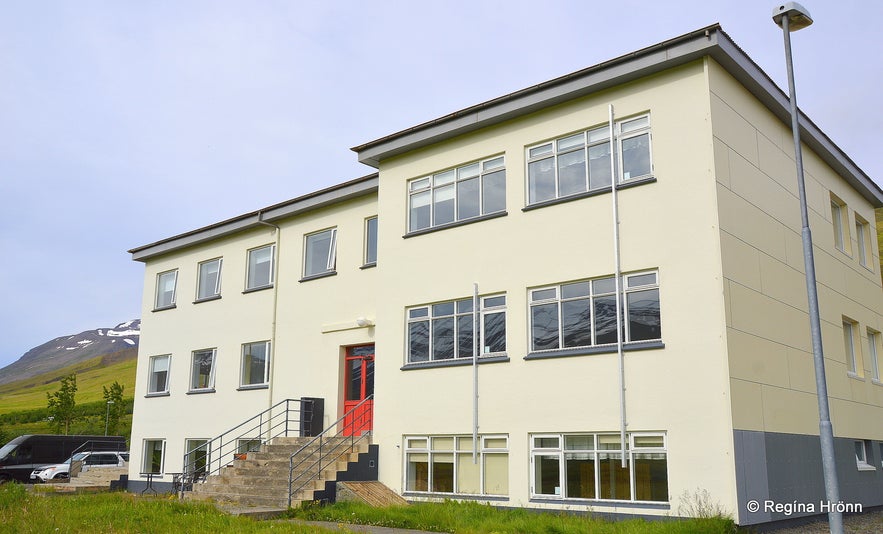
(107, 416)
(792, 16)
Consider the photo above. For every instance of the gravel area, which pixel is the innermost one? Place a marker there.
(867, 523)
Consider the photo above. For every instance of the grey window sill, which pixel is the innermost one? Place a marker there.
(595, 503)
(586, 351)
(458, 496)
(369, 265)
(256, 386)
(164, 308)
(258, 288)
(318, 276)
(453, 363)
(587, 194)
(158, 394)
(207, 299)
(455, 224)
(201, 391)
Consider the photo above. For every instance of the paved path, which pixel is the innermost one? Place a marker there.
(368, 529)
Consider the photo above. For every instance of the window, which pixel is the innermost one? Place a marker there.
(196, 456)
(209, 284)
(444, 331)
(849, 332)
(863, 241)
(320, 253)
(255, 363)
(838, 219)
(873, 343)
(371, 241)
(154, 456)
(581, 162)
(443, 464)
(260, 267)
(158, 381)
(202, 376)
(589, 466)
(583, 314)
(863, 454)
(247, 445)
(165, 289)
(457, 194)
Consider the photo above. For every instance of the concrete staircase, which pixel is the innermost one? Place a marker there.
(261, 479)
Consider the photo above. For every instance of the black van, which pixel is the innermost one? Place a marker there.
(22, 455)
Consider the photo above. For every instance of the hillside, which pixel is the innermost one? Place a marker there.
(66, 351)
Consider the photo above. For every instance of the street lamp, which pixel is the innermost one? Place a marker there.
(107, 416)
(792, 16)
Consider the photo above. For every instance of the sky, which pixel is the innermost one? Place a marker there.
(124, 122)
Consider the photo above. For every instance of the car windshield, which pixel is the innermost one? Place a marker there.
(4, 452)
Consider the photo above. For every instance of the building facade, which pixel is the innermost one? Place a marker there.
(471, 284)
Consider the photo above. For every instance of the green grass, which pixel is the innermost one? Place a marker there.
(22, 512)
(473, 518)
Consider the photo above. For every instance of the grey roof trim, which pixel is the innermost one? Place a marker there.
(709, 41)
(359, 187)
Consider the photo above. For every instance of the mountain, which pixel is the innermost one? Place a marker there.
(65, 351)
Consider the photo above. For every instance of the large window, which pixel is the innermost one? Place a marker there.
(320, 252)
(209, 283)
(839, 219)
(158, 380)
(196, 456)
(863, 241)
(255, 363)
(589, 466)
(370, 241)
(581, 162)
(583, 314)
(165, 289)
(202, 375)
(260, 267)
(457, 194)
(873, 344)
(849, 344)
(444, 331)
(443, 464)
(154, 456)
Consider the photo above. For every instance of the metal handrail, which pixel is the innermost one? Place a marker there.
(90, 447)
(314, 470)
(221, 450)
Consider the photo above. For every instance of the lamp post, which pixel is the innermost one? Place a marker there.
(792, 16)
(107, 416)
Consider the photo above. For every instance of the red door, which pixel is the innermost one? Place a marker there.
(358, 385)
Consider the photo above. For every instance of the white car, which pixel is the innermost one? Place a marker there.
(88, 460)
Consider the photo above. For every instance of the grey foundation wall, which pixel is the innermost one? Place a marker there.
(783, 474)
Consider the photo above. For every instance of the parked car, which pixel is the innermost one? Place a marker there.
(23, 454)
(87, 460)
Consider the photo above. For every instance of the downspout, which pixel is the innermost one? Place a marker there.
(476, 317)
(278, 236)
(618, 280)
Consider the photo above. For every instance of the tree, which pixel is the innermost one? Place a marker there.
(62, 403)
(115, 410)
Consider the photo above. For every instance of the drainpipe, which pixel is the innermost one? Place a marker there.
(278, 235)
(476, 317)
(618, 279)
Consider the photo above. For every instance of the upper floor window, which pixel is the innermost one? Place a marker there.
(445, 331)
(863, 241)
(849, 344)
(158, 374)
(260, 267)
(580, 163)
(873, 341)
(203, 370)
(457, 194)
(370, 241)
(165, 289)
(255, 363)
(582, 314)
(320, 254)
(209, 282)
(839, 219)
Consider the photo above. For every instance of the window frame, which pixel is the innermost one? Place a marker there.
(484, 312)
(369, 255)
(330, 254)
(268, 356)
(484, 451)
(863, 242)
(840, 223)
(594, 136)
(194, 384)
(151, 371)
(251, 265)
(157, 306)
(874, 353)
(850, 328)
(451, 179)
(863, 455)
(216, 293)
(144, 456)
(561, 453)
(625, 289)
(188, 448)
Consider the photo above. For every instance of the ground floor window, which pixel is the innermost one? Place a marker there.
(589, 466)
(197, 456)
(444, 464)
(154, 456)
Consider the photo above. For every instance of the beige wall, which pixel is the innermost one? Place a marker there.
(669, 225)
(768, 337)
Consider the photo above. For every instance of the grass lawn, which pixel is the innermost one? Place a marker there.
(473, 518)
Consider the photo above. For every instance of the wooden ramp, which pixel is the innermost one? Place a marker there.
(371, 493)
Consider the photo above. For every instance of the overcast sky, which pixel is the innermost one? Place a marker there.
(125, 122)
